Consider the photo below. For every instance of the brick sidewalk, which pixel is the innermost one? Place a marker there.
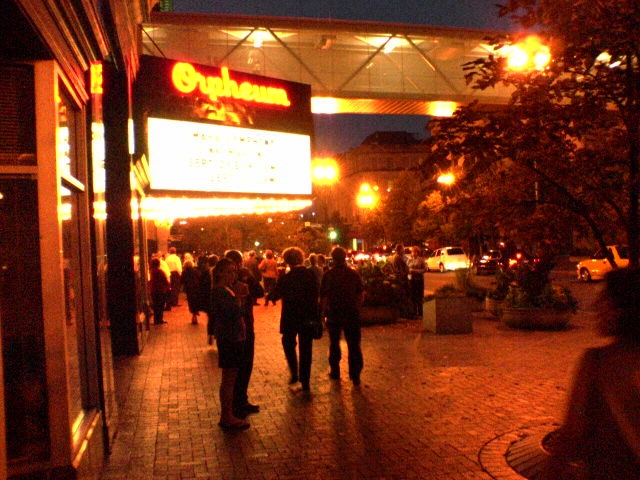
(429, 407)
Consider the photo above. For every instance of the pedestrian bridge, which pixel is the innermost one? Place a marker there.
(352, 66)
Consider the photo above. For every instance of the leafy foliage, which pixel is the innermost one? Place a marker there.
(381, 288)
(553, 297)
(568, 143)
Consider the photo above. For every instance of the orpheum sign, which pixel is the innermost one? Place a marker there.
(214, 130)
(189, 91)
(187, 80)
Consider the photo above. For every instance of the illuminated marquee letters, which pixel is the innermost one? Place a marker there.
(187, 79)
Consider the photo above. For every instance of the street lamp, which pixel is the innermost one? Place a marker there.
(324, 171)
(367, 197)
(527, 55)
(447, 179)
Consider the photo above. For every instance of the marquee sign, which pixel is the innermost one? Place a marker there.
(182, 90)
(212, 130)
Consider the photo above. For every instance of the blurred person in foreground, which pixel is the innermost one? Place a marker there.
(298, 289)
(600, 432)
(245, 287)
(341, 295)
(226, 310)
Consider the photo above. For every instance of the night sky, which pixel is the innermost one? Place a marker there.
(338, 133)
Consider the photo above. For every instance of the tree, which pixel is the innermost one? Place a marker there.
(574, 125)
(399, 208)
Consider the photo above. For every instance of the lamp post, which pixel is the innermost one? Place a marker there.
(324, 172)
(367, 199)
(526, 56)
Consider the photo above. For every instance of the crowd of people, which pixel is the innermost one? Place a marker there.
(224, 289)
(601, 429)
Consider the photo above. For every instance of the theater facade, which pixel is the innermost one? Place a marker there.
(98, 146)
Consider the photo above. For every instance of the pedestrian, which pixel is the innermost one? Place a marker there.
(251, 263)
(175, 270)
(269, 269)
(322, 262)
(165, 268)
(191, 282)
(298, 289)
(400, 268)
(341, 296)
(245, 282)
(417, 268)
(205, 267)
(226, 308)
(315, 268)
(601, 427)
(158, 289)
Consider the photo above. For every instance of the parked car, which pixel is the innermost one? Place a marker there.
(487, 262)
(447, 258)
(518, 258)
(596, 267)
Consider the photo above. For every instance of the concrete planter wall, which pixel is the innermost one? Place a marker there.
(535, 318)
(370, 315)
(493, 306)
(448, 315)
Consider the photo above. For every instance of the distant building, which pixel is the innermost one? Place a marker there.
(378, 161)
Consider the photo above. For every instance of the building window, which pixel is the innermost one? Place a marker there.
(73, 201)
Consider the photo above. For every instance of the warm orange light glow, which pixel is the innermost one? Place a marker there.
(441, 109)
(100, 210)
(64, 211)
(169, 208)
(530, 54)
(447, 178)
(367, 196)
(324, 170)
(186, 79)
(332, 105)
(96, 78)
(326, 105)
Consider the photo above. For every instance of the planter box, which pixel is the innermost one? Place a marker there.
(493, 306)
(448, 315)
(535, 318)
(379, 314)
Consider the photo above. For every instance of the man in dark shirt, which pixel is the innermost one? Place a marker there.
(341, 295)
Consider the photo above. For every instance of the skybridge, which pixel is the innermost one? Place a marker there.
(352, 66)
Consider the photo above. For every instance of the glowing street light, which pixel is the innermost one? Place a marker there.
(447, 179)
(324, 171)
(530, 54)
(367, 196)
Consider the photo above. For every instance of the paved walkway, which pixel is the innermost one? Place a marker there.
(429, 406)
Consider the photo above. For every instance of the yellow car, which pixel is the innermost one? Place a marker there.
(596, 267)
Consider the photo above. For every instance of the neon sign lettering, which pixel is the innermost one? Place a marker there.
(187, 79)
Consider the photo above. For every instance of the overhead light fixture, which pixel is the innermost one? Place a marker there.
(441, 109)
(390, 42)
(325, 42)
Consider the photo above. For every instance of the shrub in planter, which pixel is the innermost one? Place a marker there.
(382, 290)
(534, 302)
